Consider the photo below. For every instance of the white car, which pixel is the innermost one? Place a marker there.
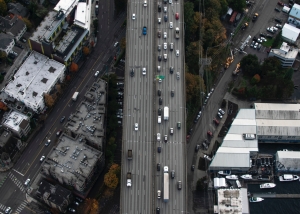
(278, 26)
(97, 73)
(221, 111)
(159, 20)
(144, 71)
(8, 210)
(177, 52)
(165, 46)
(133, 16)
(158, 136)
(220, 115)
(136, 126)
(165, 9)
(42, 158)
(170, 1)
(160, 80)
(177, 75)
(27, 182)
(165, 57)
(166, 169)
(145, 3)
(165, 35)
(171, 25)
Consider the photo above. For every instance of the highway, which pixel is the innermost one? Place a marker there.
(141, 106)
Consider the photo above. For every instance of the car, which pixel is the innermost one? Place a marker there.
(208, 95)
(159, 58)
(197, 148)
(165, 46)
(157, 210)
(133, 16)
(8, 210)
(278, 20)
(166, 18)
(277, 9)
(136, 126)
(259, 40)
(159, 149)
(158, 136)
(11, 56)
(177, 52)
(158, 194)
(190, 131)
(254, 38)
(145, 3)
(158, 33)
(216, 121)
(159, 92)
(178, 125)
(278, 26)
(19, 45)
(159, 47)
(269, 36)
(220, 115)
(166, 138)
(72, 210)
(159, 20)
(207, 157)
(132, 72)
(165, 35)
(158, 68)
(280, 4)
(177, 75)
(171, 25)
(42, 158)
(23, 40)
(176, 16)
(171, 70)
(263, 39)
(159, 8)
(170, 1)
(193, 167)
(58, 132)
(171, 46)
(171, 131)
(144, 30)
(14, 53)
(275, 29)
(255, 46)
(165, 57)
(165, 9)
(47, 142)
(252, 44)
(270, 29)
(120, 84)
(158, 167)
(159, 111)
(62, 119)
(259, 47)
(221, 111)
(3, 73)
(209, 133)
(160, 80)
(144, 71)
(179, 185)
(97, 73)
(76, 203)
(173, 174)
(172, 93)
(79, 199)
(27, 182)
(160, 101)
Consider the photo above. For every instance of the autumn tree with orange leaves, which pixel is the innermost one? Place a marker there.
(73, 67)
(111, 179)
(91, 206)
(86, 50)
(3, 106)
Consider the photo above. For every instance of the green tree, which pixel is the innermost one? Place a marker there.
(250, 65)
(237, 5)
(277, 40)
(27, 23)
(189, 21)
(3, 8)
(289, 74)
(192, 57)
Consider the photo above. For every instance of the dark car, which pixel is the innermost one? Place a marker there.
(47, 142)
(144, 30)
(173, 174)
(193, 167)
(278, 20)
(157, 210)
(158, 167)
(160, 101)
(3, 73)
(159, 111)
(159, 8)
(11, 56)
(197, 148)
(277, 9)
(159, 92)
(132, 72)
(159, 57)
(159, 149)
(171, 70)
(62, 119)
(159, 34)
(166, 18)
(19, 45)
(172, 93)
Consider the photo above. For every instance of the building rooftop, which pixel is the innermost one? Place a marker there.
(14, 120)
(230, 201)
(48, 26)
(83, 15)
(4, 137)
(290, 32)
(286, 51)
(5, 40)
(66, 6)
(72, 159)
(36, 76)
(289, 159)
(276, 111)
(295, 11)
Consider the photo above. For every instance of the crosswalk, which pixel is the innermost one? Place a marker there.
(17, 182)
(2, 207)
(21, 207)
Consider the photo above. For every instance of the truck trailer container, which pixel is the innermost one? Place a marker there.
(166, 186)
(166, 113)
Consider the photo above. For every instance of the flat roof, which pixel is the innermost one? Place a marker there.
(14, 119)
(289, 160)
(229, 201)
(66, 6)
(290, 32)
(277, 111)
(295, 11)
(48, 26)
(83, 15)
(36, 76)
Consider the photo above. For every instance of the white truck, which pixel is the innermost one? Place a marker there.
(176, 33)
(128, 177)
(75, 95)
(166, 186)
(159, 119)
(166, 113)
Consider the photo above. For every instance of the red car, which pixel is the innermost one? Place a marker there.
(216, 121)
(280, 3)
(209, 133)
(176, 16)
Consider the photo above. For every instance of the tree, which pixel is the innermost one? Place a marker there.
(111, 180)
(58, 88)
(289, 74)
(27, 23)
(48, 100)
(277, 40)
(3, 8)
(123, 43)
(3, 54)
(94, 207)
(189, 21)
(237, 5)
(86, 50)
(255, 79)
(3, 106)
(73, 67)
(194, 85)
(250, 65)
(41, 12)
(192, 57)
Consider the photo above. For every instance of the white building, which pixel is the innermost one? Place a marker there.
(286, 54)
(294, 16)
(290, 33)
(17, 123)
(287, 161)
(7, 43)
(37, 75)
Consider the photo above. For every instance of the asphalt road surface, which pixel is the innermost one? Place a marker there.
(141, 106)
(29, 164)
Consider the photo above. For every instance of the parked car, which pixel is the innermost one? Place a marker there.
(62, 119)
(209, 133)
(193, 167)
(197, 148)
(42, 158)
(216, 121)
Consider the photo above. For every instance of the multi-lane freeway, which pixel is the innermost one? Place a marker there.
(141, 106)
